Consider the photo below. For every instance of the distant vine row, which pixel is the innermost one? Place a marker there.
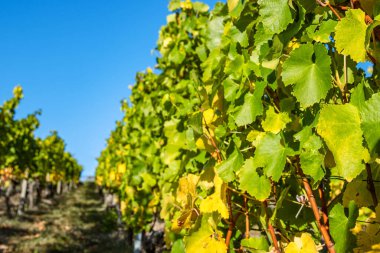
(31, 167)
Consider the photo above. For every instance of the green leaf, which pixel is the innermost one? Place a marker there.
(270, 154)
(276, 15)
(215, 32)
(370, 114)
(275, 122)
(255, 244)
(238, 36)
(174, 5)
(350, 35)
(234, 65)
(200, 7)
(226, 170)
(311, 78)
(339, 126)
(310, 158)
(230, 89)
(376, 9)
(195, 122)
(323, 32)
(358, 96)
(308, 5)
(177, 55)
(340, 227)
(252, 107)
(251, 182)
(178, 247)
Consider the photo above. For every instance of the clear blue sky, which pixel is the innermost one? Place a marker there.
(75, 60)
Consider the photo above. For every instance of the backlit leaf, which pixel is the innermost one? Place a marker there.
(302, 244)
(339, 126)
(275, 122)
(271, 155)
(250, 181)
(354, 44)
(370, 114)
(252, 106)
(276, 15)
(308, 69)
(341, 225)
(206, 239)
(216, 202)
(227, 169)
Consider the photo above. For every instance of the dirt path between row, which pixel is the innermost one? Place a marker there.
(75, 222)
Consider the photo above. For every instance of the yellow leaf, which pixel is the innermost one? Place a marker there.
(375, 248)
(302, 244)
(203, 143)
(206, 239)
(217, 101)
(216, 202)
(200, 144)
(112, 176)
(232, 4)
(123, 207)
(370, 235)
(187, 186)
(206, 180)
(166, 206)
(99, 180)
(275, 122)
(186, 5)
(339, 126)
(185, 220)
(252, 135)
(186, 196)
(209, 116)
(293, 44)
(121, 168)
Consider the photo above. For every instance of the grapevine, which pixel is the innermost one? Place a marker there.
(256, 132)
(32, 162)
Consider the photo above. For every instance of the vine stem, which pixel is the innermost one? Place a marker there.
(313, 203)
(246, 218)
(213, 143)
(271, 229)
(232, 220)
(331, 8)
(324, 207)
(334, 11)
(371, 185)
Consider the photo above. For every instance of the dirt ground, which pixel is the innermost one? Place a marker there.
(74, 222)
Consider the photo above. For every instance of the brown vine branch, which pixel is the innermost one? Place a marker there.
(324, 207)
(313, 203)
(370, 185)
(213, 143)
(330, 7)
(342, 8)
(271, 229)
(273, 96)
(246, 218)
(232, 220)
(334, 11)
